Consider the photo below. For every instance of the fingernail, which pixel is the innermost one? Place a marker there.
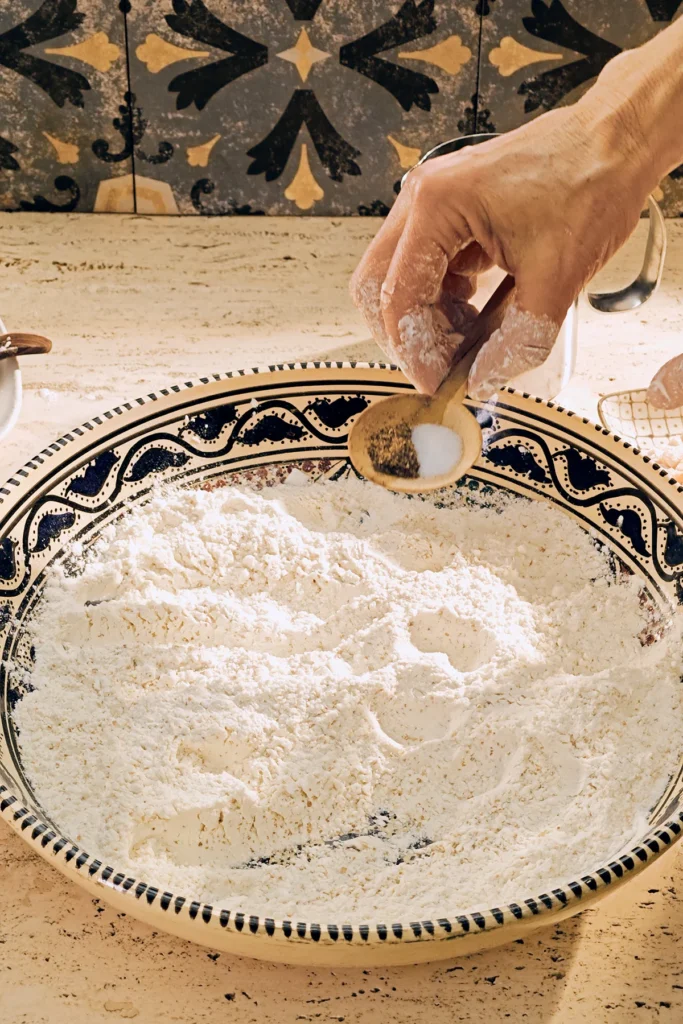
(660, 397)
(484, 390)
(426, 351)
(458, 313)
(483, 380)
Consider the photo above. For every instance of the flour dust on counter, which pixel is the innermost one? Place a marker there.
(323, 701)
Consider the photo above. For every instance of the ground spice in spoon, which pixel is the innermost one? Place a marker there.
(392, 451)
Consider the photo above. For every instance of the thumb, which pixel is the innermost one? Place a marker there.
(666, 389)
(526, 336)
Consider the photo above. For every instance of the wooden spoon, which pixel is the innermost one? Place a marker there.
(16, 344)
(445, 408)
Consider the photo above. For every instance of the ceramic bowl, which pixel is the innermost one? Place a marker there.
(657, 433)
(260, 424)
(629, 414)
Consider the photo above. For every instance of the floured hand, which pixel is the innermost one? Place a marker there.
(548, 203)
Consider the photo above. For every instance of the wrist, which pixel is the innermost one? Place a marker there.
(639, 97)
(618, 116)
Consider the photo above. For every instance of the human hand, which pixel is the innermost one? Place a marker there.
(666, 389)
(549, 203)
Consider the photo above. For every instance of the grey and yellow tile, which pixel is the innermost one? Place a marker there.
(540, 54)
(63, 80)
(280, 106)
(294, 106)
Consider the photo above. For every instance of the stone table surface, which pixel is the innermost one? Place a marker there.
(135, 303)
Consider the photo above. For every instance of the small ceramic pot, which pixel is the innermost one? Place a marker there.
(548, 380)
(10, 394)
(11, 347)
(10, 391)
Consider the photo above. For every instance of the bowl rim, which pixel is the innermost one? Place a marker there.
(76, 863)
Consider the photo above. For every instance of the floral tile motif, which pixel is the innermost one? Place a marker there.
(540, 54)
(63, 78)
(293, 106)
(280, 106)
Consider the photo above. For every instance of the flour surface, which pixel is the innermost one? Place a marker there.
(328, 702)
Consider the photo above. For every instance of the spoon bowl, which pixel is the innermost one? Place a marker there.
(413, 410)
(445, 408)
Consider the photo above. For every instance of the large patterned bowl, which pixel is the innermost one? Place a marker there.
(260, 423)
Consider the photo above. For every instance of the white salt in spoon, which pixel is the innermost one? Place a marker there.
(445, 434)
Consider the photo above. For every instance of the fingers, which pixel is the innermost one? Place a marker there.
(522, 343)
(525, 337)
(419, 329)
(470, 261)
(453, 302)
(460, 284)
(412, 287)
(666, 389)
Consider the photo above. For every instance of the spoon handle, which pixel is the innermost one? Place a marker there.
(16, 344)
(476, 336)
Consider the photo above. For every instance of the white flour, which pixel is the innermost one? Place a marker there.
(239, 679)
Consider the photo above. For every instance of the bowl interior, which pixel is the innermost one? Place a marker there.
(261, 425)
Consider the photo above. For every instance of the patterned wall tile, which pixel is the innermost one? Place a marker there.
(539, 54)
(63, 77)
(293, 106)
(280, 106)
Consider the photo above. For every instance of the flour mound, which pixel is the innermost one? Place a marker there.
(327, 702)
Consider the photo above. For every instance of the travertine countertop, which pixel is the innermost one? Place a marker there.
(132, 304)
